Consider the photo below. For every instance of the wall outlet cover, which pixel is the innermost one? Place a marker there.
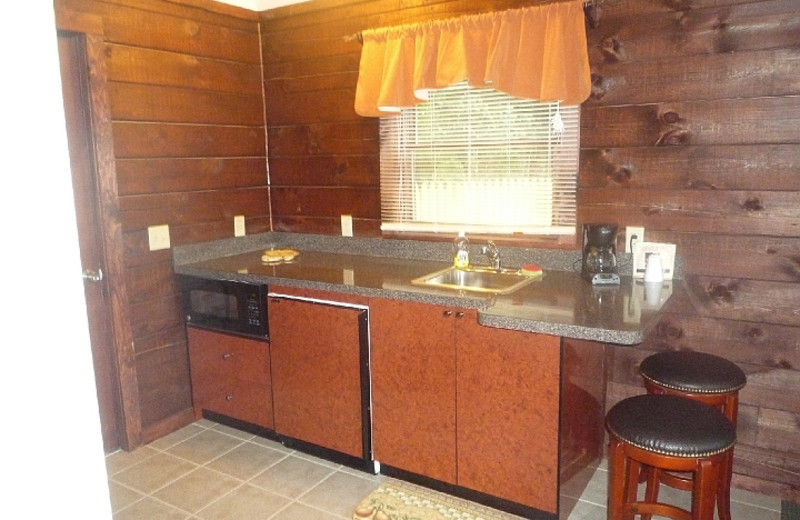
(238, 226)
(347, 225)
(630, 233)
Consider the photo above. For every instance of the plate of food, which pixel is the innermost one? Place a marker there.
(274, 256)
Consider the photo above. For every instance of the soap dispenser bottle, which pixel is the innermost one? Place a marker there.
(461, 251)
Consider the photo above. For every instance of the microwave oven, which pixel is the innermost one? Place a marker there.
(227, 306)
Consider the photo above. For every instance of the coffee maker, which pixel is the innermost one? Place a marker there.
(599, 262)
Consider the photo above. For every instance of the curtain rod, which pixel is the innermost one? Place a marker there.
(360, 37)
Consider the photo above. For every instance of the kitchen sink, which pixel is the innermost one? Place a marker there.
(478, 279)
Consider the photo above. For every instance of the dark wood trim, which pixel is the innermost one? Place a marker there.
(112, 241)
(91, 26)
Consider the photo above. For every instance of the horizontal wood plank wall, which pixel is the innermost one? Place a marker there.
(185, 90)
(691, 131)
(323, 157)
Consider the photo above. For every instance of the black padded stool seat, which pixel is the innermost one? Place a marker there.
(693, 372)
(670, 425)
(666, 433)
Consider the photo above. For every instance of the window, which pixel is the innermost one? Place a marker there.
(480, 160)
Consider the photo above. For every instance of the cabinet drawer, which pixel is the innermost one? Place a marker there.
(238, 399)
(231, 376)
(214, 354)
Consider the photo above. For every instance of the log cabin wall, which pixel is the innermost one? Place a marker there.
(186, 101)
(692, 131)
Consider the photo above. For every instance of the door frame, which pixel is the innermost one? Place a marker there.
(90, 27)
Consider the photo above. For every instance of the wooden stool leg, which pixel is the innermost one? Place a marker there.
(731, 411)
(704, 495)
(724, 491)
(651, 491)
(616, 479)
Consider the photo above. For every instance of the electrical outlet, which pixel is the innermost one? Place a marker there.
(347, 225)
(158, 237)
(633, 235)
(238, 226)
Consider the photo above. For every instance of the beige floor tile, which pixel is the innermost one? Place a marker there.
(275, 445)
(739, 510)
(340, 493)
(154, 473)
(292, 476)
(205, 446)
(246, 460)
(748, 497)
(176, 437)
(298, 511)
(120, 460)
(197, 489)
(121, 496)
(587, 511)
(285, 484)
(234, 432)
(151, 509)
(301, 455)
(244, 503)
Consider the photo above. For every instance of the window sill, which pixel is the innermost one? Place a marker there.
(531, 241)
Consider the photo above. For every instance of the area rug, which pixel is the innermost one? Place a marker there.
(397, 500)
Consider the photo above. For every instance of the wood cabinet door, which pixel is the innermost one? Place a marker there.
(413, 387)
(316, 369)
(508, 413)
(231, 376)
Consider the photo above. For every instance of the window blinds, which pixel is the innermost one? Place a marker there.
(482, 161)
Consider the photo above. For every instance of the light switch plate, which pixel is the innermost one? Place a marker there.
(238, 226)
(158, 237)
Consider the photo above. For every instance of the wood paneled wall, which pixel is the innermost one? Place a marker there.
(185, 92)
(692, 130)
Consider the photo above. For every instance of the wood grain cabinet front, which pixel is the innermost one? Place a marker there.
(507, 394)
(231, 376)
(414, 387)
(319, 351)
(465, 404)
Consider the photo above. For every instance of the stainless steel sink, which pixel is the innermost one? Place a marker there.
(476, 279)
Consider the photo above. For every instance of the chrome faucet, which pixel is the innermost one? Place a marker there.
(491, 251)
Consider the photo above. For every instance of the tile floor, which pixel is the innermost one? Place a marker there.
(208, 471)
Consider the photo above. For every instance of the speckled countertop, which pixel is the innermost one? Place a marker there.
(560, 303)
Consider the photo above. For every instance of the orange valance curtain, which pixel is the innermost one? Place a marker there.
(536, 52)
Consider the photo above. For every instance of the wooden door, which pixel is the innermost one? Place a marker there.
(413, 387)
(508, 413)
(316, 369)
(74, 71)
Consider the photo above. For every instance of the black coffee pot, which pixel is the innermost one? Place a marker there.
(599, 249)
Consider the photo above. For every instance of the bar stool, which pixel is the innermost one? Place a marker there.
(702, 377)
(667, 433)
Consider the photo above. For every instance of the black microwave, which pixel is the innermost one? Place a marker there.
(226, 306)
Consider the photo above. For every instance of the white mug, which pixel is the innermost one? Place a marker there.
(654, 272)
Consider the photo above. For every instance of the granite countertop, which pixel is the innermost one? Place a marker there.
(559, 303)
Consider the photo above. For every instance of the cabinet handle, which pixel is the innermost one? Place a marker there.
(227, 355)
(459, 314)
(447, 314)
(229, 397)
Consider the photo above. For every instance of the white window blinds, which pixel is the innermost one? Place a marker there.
(482, 161)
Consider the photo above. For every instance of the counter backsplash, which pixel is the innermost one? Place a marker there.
(548, 259)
